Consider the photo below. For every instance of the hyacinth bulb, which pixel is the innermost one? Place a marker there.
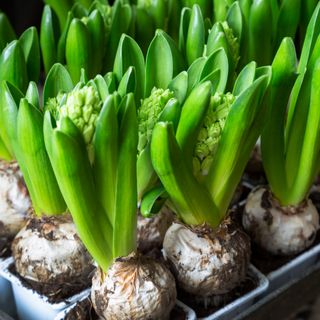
(14, 202)
(278, 229)
(207, 262)
(134, 287)
(49, 251)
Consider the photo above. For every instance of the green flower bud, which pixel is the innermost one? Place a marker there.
(106, 12)
(233, 43)
(82, 106)
(149, 112)
(210, 133)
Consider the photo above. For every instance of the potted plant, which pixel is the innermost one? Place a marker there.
(280, 217)
(82, 158)
(208, 253)
(47, 252)
(19, 62)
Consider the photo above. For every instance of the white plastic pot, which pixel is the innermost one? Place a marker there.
(236, 307)
(31, 305)
(190, 314)
(6, 295)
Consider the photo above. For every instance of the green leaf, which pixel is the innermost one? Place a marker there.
(259, 28)
(196, 35)
(128, 82)
(111, 82)
(153, 201)
(191, 119)
(163, 62)
(106, 155)
(29, 41)
(183, 29)
(235, 20)
(298, 110)
(13, 66)
(32, 95)
(9, 101)
(101, 86)
(96, 27)
(85, 3)
(174, 11)
(171, 112)
(216, 39)
(179, 86)
(204, 5)
(121, 20)
(79, 52)
(4, 152)
(288, 20)
(194, 73)
(61, 7)
(307, 9)
(7, 33)
(243, 126)
(309, 158)
(79, 11)
(129, 54)
(61, 47)
(73, 171)
(145, 172)
(125, 219)
(191, 200)
(217, 60)
(58, 80)
(273, 140)
(245, 78)
(157, 9)
(220, 9)
(49, 35)
(245, 6)
(310, 40)
(31, 143)
(144, 28)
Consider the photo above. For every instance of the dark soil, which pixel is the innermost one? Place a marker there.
(315, 197)
(255, 179)
(204, 308)
(84, 311)
(55, 292)
(5, 251)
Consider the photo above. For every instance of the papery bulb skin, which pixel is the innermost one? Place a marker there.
(277, 229)
(14, 203)
(49, 251)
(135, 288)
(207, 262)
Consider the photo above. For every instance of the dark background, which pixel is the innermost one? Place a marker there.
(22, 13)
